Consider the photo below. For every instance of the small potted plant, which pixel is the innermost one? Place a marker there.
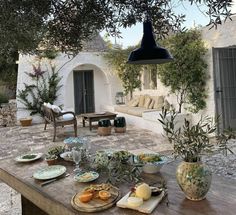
(104, 127)
(27, 121)
(51, 159)
(190, 143)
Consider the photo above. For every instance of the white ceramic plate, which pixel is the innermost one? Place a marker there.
(49, 172)
(28, 158)
(86, 177)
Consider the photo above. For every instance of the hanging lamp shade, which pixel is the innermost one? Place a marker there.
(149, 52)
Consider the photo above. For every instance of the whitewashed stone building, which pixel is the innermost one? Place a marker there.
(88, 82)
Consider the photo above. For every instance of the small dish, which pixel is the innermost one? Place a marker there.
(150, 166)
(67, 156)
(72, 142)
(86, 177)
(28, 157)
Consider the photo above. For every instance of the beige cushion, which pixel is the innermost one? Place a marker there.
(136, 111)
(135, 102)
(130, 102)
(122, 108)
(151, 105)
(159, 102)
(147, 102)
(160, 99)
(141, 101)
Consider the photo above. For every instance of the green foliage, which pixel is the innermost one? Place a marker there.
(186, 75)
(119, 166)
(223, 139)
(49, 54)
(128, 73)
(190, 141)
(24, 25)
(44, 89)
(3, 99)
(8, 68)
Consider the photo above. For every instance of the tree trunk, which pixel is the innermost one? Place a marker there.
(180, 107)
(131, 94)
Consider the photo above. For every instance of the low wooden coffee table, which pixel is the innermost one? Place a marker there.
(95, 117)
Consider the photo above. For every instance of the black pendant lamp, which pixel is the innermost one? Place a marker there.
(149, 52)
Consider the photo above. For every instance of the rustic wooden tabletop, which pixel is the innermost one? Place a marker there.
(55, 198)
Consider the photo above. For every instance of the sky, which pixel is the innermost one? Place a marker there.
(131, 36)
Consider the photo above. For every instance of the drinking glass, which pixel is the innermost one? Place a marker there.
(76, 155)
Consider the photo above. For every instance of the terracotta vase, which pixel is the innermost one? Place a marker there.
(194, 179)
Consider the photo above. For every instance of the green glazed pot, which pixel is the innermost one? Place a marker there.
(120, 122)
(194, 179)
(104, 123)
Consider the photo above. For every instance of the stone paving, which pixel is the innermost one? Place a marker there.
(17, 140)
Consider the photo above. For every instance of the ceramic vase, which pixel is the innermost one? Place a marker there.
(194, 179)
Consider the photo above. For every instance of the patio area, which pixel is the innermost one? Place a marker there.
(18, 140)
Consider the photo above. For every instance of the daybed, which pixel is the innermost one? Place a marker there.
(142, 104)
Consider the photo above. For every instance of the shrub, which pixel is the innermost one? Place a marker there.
(3, 99)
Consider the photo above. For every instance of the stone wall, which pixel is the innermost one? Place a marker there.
(8, 114)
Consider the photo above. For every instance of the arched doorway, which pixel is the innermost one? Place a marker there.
(84, 91)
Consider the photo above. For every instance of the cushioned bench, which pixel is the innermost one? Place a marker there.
(142, 104)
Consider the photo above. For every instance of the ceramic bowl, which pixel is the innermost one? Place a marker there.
(154, 167)
(72, 142)
(67, 156)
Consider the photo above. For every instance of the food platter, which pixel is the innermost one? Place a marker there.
(86, 176)
(147, 206)
(49, 172)
(96, 204)
(28, 157)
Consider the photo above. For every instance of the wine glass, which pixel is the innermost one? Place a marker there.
(76, 155)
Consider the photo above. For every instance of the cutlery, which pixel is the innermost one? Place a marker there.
(52, 180)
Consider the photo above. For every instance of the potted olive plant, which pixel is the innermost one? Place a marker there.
(190, 143)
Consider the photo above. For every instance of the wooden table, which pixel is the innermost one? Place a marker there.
(95, 117)
(54, 199)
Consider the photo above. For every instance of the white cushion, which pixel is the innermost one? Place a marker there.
(48, 105)
(56, 109)
(68, 116)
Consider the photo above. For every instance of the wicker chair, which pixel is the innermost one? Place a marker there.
(56, 119)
